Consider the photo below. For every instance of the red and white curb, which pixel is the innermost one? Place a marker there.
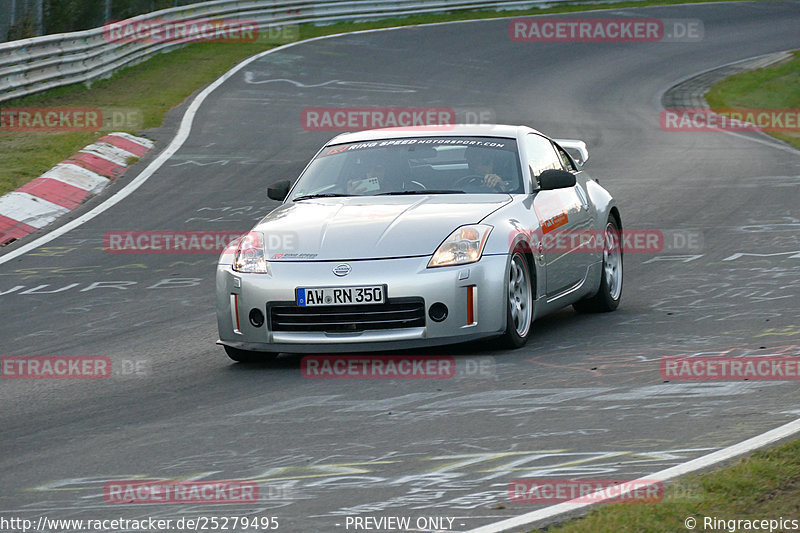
(65, 186)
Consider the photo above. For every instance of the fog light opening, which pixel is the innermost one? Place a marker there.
(256, 317)
(438, 312)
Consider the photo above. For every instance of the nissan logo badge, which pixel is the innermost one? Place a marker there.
(342, 270)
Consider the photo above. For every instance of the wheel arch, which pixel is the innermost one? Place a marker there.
(524, 246)
(614, 212)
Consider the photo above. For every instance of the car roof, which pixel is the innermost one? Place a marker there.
(463, 130)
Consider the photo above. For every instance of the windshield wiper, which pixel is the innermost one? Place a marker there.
(319, 195)
(426, 191)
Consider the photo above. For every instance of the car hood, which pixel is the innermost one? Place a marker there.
(370, 227)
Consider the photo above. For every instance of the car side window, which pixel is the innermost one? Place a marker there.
(566, 160)
(541, 156)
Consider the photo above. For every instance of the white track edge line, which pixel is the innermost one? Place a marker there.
(735, 450)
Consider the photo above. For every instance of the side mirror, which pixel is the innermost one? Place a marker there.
(556, 179)
(279, 190)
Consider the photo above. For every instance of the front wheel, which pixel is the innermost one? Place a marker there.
(519, 302)
(608, 297)
(247, 356)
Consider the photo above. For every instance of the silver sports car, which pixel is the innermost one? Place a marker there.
(397, 239)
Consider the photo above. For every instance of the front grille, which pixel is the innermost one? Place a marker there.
(397, 313)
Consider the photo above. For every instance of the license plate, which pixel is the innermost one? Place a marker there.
(313, 296)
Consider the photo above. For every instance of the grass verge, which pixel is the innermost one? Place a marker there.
(762, 486)
(157, 85)
(773, 87)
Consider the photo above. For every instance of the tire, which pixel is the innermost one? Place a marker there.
(608, 297)
(519, 302)
(246, 356)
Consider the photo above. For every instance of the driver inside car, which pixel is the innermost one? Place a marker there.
(481, 163)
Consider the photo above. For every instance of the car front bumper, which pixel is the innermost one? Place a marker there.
(474, 294)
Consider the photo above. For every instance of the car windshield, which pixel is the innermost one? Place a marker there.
(414, 165)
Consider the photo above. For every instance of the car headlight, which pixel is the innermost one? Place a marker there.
(463, 246)
(250, 256)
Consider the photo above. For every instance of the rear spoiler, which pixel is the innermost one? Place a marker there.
(576, 149)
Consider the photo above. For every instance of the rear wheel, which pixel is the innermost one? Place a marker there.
(247, 356)
(608, 297)
(519, 302)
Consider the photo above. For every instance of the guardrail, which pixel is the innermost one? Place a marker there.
(32, 65)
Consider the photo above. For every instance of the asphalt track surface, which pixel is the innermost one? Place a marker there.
(583, 399)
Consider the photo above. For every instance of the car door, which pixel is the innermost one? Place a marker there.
(563, 217)
(590, 239)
